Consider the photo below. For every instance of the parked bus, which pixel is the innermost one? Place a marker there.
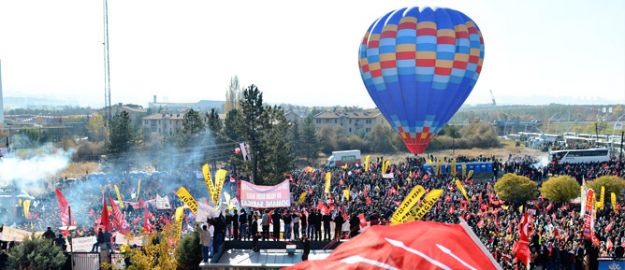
(573, 156)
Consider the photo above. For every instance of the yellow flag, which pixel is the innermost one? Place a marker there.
(346, 194)
(187, 198)
(139, 188)
(453, 168)
(409, 179)
(302, 197)
(521, 209)
(612, 199)
(19, 202)
(26, 205)
(464, 170)
(439, 163)
(228, 204)
(209, 181)
(413, 197)
(220, 179)
(328, 182)
(417, 212)
(178, 216)
(385, 166)
(461, 188)
(470, 174)
(602, 199)
(119, 197)
(367, 163)
(504, 207)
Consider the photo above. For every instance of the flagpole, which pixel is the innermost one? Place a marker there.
(477, 241)
(71, 246)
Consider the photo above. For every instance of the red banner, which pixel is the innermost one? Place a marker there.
(265, 196)
(589, 214)
(118, 219)
(64, 210)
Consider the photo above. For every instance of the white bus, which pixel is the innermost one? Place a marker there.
(573, 156)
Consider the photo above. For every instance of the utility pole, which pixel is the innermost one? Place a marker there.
(107, 67)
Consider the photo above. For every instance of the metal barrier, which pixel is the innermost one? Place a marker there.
(91, 261)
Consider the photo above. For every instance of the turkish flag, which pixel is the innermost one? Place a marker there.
(118, 219)
(413, 245)
(104, 221)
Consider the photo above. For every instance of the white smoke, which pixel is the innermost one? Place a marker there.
(30, 170)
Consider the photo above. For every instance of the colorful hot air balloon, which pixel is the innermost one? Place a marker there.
(419, 66)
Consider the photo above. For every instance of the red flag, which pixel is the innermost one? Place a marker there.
(368, 201)
(609, 227)
(146, 220)
(366, 192)
(363, 220)
(64, 210)
(118, 219)
(451, 209)
(609, 245)
(413, 245)
(521, 247)
(104, 220)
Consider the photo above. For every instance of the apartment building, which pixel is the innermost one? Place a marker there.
(357, 123)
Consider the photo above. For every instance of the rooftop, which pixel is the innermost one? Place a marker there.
(353, 115)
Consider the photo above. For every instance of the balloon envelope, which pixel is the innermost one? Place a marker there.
(419, 66)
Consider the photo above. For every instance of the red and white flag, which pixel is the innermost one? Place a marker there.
(64, 210)
(118, 219)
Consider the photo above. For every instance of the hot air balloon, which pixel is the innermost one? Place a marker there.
(419, 66)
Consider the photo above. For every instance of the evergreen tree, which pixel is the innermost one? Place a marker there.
(233, 125)
(252, 107)
(278, 151)
(120, 133)
(309, 144)
(295, 139)
(36, 254)
(192, 122)
(214, 123)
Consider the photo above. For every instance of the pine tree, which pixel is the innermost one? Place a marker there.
(295, 138)
(252, 107)
(279, 149)
(214, 123)
(233, 125)
(120, 133)
(309, 145)
(192, 122)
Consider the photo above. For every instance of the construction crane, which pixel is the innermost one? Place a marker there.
(493, 98)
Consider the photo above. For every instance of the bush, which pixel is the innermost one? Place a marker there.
(515, 188)
(188, 252)
(611, 183)
(36, 254)
(560, 189)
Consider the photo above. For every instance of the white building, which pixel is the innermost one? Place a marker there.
(358, 123)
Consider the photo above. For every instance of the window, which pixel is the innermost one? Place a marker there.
(318, 121)
(335, 121)
(350, 121)
(350, 130)
(368, 121)
(368, 130)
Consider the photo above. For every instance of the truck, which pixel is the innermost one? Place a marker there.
(340, 158)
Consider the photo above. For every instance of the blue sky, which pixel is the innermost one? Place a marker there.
(300, 52)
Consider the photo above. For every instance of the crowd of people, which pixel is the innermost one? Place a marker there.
(370, 199)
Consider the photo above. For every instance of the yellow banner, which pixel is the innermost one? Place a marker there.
(464, 171)
(453, 168)
(385, 166)
(119, 197)
(328, 182)
(139, 188)
(178, 217)
(220, 179)
(346, 194)
(612, 199)
(401, 214)
(602, 199)
(367, 163)
(470, 174)
(417, 212)
(26, 205)
(209, 181)
(461, 188)
(187, 198)
(439, 163)
(302, 197)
